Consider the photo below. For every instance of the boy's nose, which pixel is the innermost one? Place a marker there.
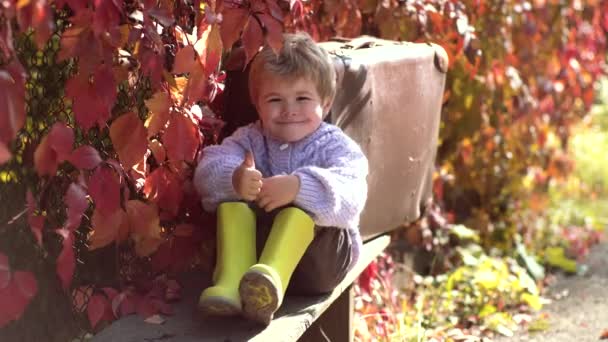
(288, 110)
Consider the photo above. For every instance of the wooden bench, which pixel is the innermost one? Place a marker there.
(389, 101)
(310, 319)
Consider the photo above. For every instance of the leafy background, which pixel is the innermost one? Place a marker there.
(105, 106)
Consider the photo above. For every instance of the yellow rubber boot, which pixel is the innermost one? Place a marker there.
(263, 286)
(235, 254)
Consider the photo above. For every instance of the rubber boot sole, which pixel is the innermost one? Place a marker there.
(259, 297)
(218, 306)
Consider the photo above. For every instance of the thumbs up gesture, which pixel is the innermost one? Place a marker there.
(246, 179)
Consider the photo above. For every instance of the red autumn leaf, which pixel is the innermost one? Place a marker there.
(76, 202)
(253, 39)
(54, 148)
(45, 158)
(234, 19)
(107, 19)
(26, 284)
(209, 48)
(274, 10)
(92, 102)
(5, 271)
(143, 218)
(12, 100)
(184, 230)
(98, 304)
(181, 139)
(197, 84)
(159, 106)
(117, 302)
(38, 15)
(155, 319)
(36, 223)
(111, 293)
(130, 140)
(158, 151)
(85, 157)
(16, 296)
(146, 246)
(144, 225)
(61, 139)
(161, 259)
(5, 154)
(66, 261)
(165, 189)
(107, 229)
(152, 66)
(185, 60)
(274, 31)
(104, 188)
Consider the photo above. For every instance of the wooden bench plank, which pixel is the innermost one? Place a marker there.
(294, 317)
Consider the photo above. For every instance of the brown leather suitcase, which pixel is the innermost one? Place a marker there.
(389, 101)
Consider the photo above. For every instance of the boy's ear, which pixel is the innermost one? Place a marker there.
(327, 105)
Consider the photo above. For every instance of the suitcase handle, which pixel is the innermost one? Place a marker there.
(362, 42)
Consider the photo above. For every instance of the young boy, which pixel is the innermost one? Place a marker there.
(292, 182)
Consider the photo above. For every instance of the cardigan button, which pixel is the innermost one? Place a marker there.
(284, 146)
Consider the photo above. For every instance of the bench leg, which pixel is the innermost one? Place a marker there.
(336, 323)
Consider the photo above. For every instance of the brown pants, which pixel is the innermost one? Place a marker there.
(325, 262)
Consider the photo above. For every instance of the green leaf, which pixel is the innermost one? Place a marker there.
(536, 270)
(463, 233)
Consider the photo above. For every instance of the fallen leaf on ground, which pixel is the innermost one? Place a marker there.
(155, 319)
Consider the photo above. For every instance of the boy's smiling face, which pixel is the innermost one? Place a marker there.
(290, 108)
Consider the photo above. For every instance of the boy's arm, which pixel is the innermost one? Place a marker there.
(335, 195)
(213, 175)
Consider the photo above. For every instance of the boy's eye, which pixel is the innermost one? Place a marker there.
(274, 99)
(302, 98)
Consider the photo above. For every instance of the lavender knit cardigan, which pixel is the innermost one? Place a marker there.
(331, 167)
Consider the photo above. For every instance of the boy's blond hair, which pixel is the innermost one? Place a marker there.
(299, 57)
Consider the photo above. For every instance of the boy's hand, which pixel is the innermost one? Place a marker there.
(278, 191)
(246, 179)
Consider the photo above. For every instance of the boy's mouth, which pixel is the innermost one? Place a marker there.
(290, 122)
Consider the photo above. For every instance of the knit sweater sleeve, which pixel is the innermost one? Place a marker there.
(335, 194)
(213, 174)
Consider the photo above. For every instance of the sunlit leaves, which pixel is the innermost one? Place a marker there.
(164, 188)
(181, 138)
(185, 60)
(108, 228)
(253, 39)
(144, 225)
(129, 137)
(234, 19)
(159, 106)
